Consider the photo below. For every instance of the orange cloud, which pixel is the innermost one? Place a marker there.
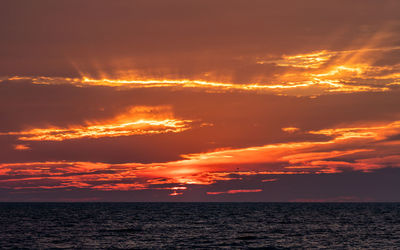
(375, 132)
(317, 72)
(270, 180)
(137, 121)
(290, 129)
(309, 74)
(236, 191)
(307, 61)
(21, 147)
(360, 148)
(344, 142)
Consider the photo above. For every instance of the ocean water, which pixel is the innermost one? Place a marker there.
(199, 225)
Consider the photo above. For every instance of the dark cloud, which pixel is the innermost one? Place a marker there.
(178, 37)
(381, 185)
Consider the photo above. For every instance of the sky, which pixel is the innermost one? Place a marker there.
(201, 100)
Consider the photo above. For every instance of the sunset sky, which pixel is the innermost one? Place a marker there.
(199, 100)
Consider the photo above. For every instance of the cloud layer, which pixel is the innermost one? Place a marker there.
(199, 100)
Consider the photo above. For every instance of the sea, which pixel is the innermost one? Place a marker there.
(199, 225)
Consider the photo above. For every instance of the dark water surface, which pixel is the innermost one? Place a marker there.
(200, 225)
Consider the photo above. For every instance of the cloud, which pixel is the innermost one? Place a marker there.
(236, 191)
(344, 186)
(321, 73)
(359, 151)
(208, 97)
(139, 120)
(290, 129)
(256, 50)
(21, 147)
(219, 120)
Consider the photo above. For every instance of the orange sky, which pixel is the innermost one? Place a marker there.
(199, 100)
